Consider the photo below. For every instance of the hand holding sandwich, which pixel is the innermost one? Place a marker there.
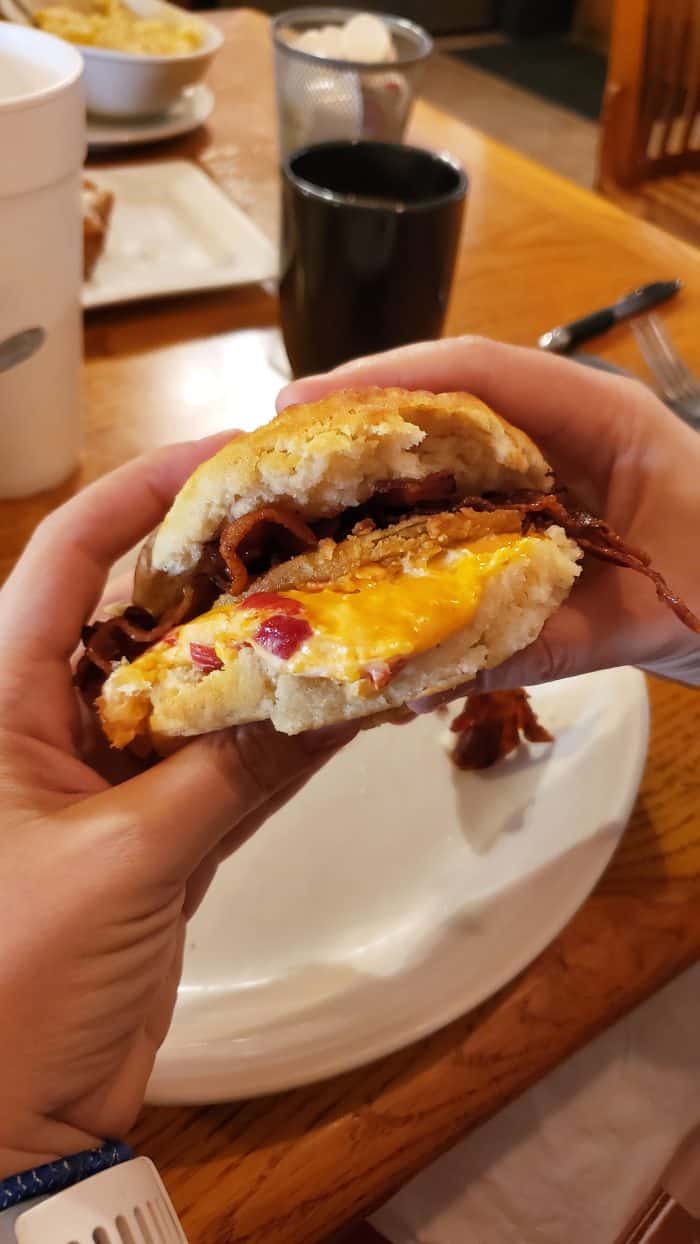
(382, 544)
(97, 879)
(620, 452)
(102, 862)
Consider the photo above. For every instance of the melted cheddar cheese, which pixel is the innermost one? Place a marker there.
(378, 613)
(381, 613)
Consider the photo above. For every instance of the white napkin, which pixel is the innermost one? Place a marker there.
(572, 1159)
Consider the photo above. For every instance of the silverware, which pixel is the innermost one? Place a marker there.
(672, 1209)
(564, 338)
(20, 346)
(676, 383)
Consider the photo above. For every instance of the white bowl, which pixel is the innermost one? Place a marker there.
(128, 84)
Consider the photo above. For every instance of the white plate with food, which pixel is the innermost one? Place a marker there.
(139, 55)
(172, 231)
(396, 892)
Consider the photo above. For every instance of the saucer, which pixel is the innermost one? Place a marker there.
(192, 109)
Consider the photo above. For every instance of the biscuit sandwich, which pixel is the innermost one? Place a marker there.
(348, 557)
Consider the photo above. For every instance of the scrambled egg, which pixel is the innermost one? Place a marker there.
(110, 24)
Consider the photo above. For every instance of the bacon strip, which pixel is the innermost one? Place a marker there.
(262, 533)
(248, 537)
(592, 534)
(489, 726)
(391, 500)
(211, 566)
(405, 494)
(107, 643)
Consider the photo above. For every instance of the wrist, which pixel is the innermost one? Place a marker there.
(14, 1161)
(678, 666)
(125, 1193)
(51, 1178)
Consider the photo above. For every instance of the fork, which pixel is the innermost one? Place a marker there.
(676, 383)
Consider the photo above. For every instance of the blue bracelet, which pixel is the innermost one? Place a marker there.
(55, 1176)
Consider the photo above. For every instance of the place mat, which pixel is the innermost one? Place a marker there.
(575, 1156)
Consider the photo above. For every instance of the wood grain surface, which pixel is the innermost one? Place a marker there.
(536, 251)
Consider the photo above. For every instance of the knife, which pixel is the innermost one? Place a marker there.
(671, 1212)
(564, 338)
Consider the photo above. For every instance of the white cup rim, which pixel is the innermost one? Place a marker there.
(12, 33)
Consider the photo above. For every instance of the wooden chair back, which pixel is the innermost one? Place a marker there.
(650, 123)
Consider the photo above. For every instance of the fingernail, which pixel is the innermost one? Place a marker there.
(329, 736)
(282, 401)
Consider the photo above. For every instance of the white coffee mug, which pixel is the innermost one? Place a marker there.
(42, 148)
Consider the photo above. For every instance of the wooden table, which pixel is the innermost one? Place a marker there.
(536, 251)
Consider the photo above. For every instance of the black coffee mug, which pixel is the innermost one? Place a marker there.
(369, 240)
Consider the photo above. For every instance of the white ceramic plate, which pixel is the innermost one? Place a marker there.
(395, 893)
(193, 108)
(173, 231)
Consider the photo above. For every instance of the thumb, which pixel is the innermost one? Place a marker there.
(166, 820)
(543, 661)
(562, 649)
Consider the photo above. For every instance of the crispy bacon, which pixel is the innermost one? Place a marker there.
(212, 568)
(406, 494)
(489, 727)
(128, 635)
(248, 538)
(391, 500)
(329, 528)
(592, 534)
(268, 530)
(363, 527)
